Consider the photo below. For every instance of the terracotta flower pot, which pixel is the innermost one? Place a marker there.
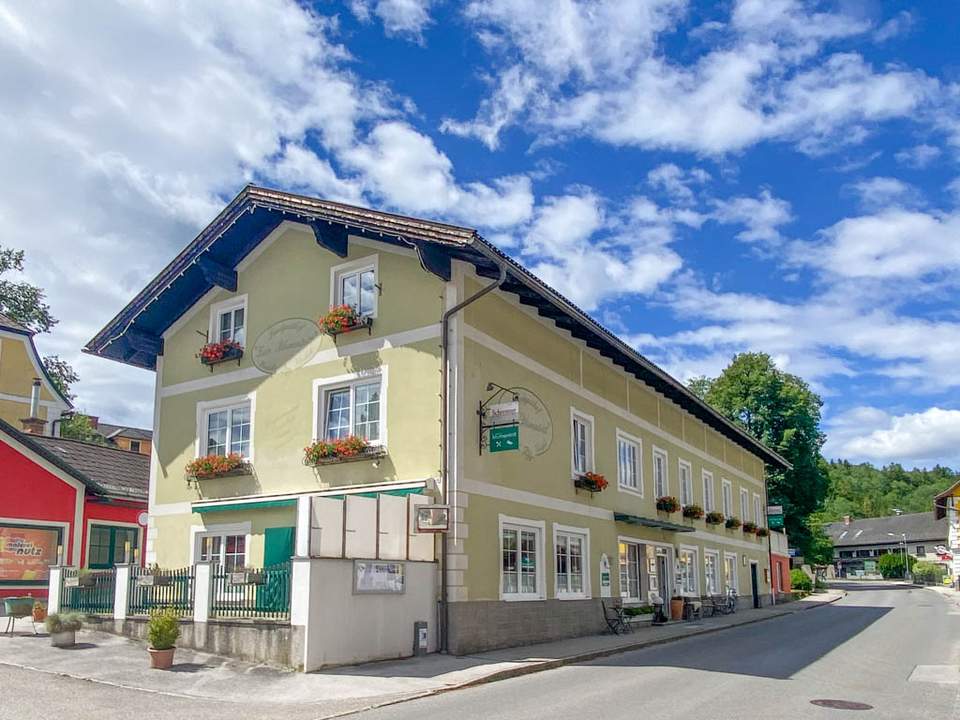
(161, 659)
(39, 614)
(676, 608)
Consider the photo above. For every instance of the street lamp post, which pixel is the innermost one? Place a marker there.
(902, 546)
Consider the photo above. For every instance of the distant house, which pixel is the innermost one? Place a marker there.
(858, 544)
(81, 503)
(26, 390)
(124, 437)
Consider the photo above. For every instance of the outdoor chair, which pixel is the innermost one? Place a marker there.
(692, 609)
(616, 620)
(17, 608)
(713, 604)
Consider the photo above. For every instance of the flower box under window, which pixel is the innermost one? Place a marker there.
(694, 512)
(217, 466)
(343, 319)
(668, 504)
(219, 352)
(348, 449)
(715, 518)
(591, 482)
(732, 523)
(750, 528)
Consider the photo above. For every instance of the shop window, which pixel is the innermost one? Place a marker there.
(711, 572)
(629, 571)
(521, 546)
(730, 579)
(688, 580)
(571, 553)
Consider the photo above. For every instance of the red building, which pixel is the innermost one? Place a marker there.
(80, 502)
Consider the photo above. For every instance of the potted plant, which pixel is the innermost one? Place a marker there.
(732, 523)
(676, 607)
(39, 612)
(694, 512)
(763, 532)
(63, 628)
(591, 481)
(668, 504)
(715, 518)
(211, 466)
(163, 629)
(218, 352)
(341, 319)
(749, 528)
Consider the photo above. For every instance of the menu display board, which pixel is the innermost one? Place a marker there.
(26, 553)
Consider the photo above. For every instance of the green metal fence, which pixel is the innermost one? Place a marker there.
(89, 591)
(153, 588)
(252, 593)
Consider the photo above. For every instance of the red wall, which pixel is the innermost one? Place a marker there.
(781, 570)
(28, 492)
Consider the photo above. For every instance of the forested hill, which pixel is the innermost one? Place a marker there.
(867, 491)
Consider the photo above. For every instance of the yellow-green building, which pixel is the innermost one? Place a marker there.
(530, 552)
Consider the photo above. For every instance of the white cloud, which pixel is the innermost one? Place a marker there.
(762, 216)
(918, 438)
(897, 25)
(881, 192)
(406, 18)
(765, 80)
(918, 156)
(676, 182)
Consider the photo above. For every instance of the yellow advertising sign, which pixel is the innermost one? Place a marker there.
(26, 553)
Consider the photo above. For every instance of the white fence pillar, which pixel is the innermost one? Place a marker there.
(202, 591)
(304, 515)
(53, 592)
(300, 596)
(121, 592)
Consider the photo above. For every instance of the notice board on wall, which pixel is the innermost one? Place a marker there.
(26, 553)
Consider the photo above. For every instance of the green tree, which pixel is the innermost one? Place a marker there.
(780, 410)
(819, 549)
(79, 427)
(700, 386)
(862, 490)
(22, 301)
(62, 375)
(891, 564)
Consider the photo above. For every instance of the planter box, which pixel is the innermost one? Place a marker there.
(154, 580)
(583, 484)
(371, 453)
(228, 355)
(362, 324)
(66, 638)
(244, 469)
(245, 577)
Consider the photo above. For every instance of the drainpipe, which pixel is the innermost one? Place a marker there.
(444, 424)
(766, 500)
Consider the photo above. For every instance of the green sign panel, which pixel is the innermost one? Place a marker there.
(775, 522)
(504, 437)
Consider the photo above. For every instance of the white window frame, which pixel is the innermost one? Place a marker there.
(205, 407)
(736, 571)
(695, 567)
(638, 446)
(666, 471)
(584, 535)
(744, 504)
(370, 262)
(726, 493)
(323, 386)
(229, 305)
(518, 524)
(199, 531)
(641, 559)
(590, 459)
(686, 489)
(709, 498)
(719, 569)
(758, 511)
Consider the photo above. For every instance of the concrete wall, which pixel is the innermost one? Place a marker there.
(259, 641)
(345, 628)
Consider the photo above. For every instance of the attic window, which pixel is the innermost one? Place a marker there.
(858, 534)
(356, 284)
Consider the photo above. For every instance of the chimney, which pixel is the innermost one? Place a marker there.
(846, 519)
(34, 425)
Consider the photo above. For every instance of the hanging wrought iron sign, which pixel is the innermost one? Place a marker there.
(499, 421)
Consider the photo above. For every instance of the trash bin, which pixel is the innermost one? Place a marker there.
(420, 638)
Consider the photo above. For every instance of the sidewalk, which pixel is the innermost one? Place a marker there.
(114, 660)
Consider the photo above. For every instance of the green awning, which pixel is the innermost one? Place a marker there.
(400, 493)
(651, 523)
(250, 505)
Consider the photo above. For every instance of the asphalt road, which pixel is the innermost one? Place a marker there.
(865, 649)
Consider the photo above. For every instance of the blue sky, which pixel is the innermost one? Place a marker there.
(703, 178)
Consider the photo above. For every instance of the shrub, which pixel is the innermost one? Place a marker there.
(638, 610)
(715, 518)
(891, 564)
(63, 622)
(800, 581)
(163, 628)
(928, 572)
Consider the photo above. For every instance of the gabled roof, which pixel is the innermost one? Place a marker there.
(8, 323)
(918, 527)
(940, 501)
(110, 431)
(11, 325)
(106, 471)
(134, 336)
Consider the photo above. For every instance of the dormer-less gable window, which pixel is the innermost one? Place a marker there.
(228, 320)
(355, 284)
